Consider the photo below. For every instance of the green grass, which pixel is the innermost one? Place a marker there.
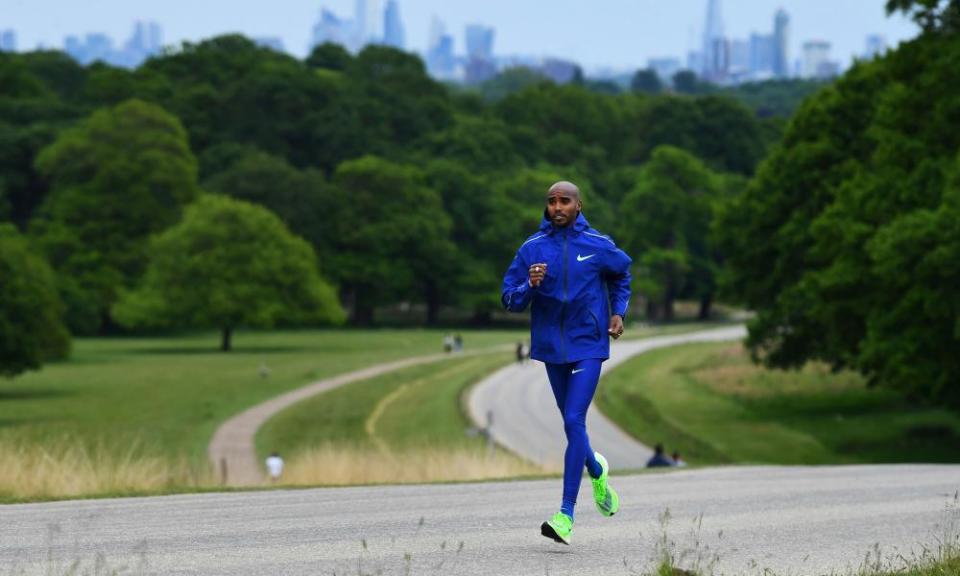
(419, 407)
(166, 396)
(711, 404)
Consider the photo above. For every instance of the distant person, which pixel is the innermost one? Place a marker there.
(521, 353)
(274, 466)
(677, 460)
(659, 459)
(577, 284)
(457, 343)
(448, 343)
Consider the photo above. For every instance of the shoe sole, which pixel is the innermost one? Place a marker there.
(547, 530)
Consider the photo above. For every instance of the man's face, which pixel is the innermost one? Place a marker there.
(562, 208)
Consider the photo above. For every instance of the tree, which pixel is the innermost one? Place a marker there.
(31, 313)
(392, 237)
(665, 222)
(646, 81)
(687, 82)
(298, 197)
(931, 15)
(844, 241)
(119, 176)
(229, 264)
(329, 56)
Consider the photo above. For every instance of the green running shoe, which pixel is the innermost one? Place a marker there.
(559, 528)
(603, 494)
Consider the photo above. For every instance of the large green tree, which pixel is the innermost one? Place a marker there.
(665, 222)
(31, 313)
(837, 242)
(119, 176)
(229, 264)
(392, 238)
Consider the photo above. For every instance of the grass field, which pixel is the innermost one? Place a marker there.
(164, 397)
(709, 402)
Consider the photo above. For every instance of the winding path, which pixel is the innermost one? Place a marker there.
(232, 451)
(526, 421)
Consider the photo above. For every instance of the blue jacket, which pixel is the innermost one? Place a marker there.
(587, 276)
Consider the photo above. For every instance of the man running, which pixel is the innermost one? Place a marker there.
(572, 277)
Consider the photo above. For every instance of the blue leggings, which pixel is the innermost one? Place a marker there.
(573, 386)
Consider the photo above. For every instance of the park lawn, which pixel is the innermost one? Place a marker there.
(165, 396)
(710, 403)
(415, 408)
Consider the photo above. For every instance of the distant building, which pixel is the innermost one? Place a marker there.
(716, 49)
(560, 71)
(740, 57)
(333, 29)
(479, 41)
(8, 41)
(145, 41)
(781, 44)
(93, 48)
(762, 55)
(876, 46)
(274, 43)
(816, 60)
(695, 61)
(480, 66)
(664, 67)
(440, 59)
(367, 21)
(393, 33)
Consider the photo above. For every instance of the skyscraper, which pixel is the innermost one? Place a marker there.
(333, 29)
(440, 59)
(876, 46)
(393, 34)
(781, 44)
(480, 65)
(816, 60)
(715, 49)
(8, 41)
(761, 54)
(367, 22)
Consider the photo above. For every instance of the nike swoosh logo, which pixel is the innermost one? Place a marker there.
(579, 370)
(582, 258)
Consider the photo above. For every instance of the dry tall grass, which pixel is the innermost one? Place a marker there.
(337, 465)
(66, 469)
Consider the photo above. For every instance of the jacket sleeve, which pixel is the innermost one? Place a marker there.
(618, 280)
(516, 293)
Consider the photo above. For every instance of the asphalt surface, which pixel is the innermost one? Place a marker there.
(524, 415)
(798, 520)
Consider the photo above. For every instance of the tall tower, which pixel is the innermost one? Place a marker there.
(393, 34)
(714, 44)
(781, 44)
(367, 21)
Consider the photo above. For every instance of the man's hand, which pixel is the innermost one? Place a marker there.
(616, 326)
(537, 272)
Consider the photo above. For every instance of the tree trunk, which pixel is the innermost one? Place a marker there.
(433, 303)
(225, 339)
(706, 302)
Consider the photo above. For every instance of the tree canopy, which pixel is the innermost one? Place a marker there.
(229, 264)
(31, 313)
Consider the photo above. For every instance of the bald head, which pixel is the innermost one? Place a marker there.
(563, 203)
(566, 189)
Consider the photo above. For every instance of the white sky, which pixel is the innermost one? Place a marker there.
(620, 34)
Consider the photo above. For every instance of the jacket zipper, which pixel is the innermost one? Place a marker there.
(563, 305)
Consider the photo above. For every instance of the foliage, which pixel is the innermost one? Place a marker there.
(392, 236)
(845, 241)
(229, 264)
(117, 177)
(31, 313)
(931, 15)
(646, 81)
(666, 222)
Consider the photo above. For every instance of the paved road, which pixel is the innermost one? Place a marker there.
(525, 415)
(801, 520)
(232, 447)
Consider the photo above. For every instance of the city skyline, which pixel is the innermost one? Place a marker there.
(642, 30)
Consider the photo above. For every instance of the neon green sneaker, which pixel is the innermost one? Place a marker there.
(559, 528)
(603, 494)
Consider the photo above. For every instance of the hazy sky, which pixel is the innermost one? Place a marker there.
(597, 33)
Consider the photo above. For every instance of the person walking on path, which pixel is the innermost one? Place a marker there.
(577, 284)
(274, 466)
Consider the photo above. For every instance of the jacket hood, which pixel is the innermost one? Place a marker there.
(580, 224)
